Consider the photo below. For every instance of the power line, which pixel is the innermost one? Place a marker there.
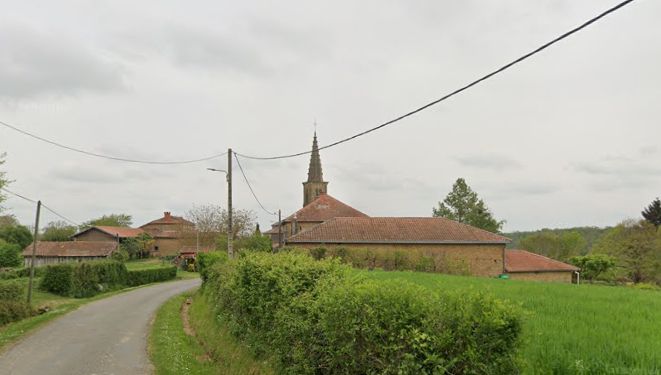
(457, 91)
(42, 205)
(250, 187)
(110, 157)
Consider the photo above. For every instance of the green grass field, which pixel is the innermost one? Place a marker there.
(570, 329)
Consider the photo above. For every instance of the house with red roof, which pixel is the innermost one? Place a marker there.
(169, 233)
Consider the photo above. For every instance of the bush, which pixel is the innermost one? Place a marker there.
(206, 260)
(91, 278)
(120, 256)
(10, 255)
(83, 279)
(58, 279)
(11, 291)
(11, 311)
(150, 275)
(21, 272)
(314, 317)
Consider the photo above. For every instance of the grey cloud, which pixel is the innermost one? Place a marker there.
(620, 172)
(34, 63)
(518, 190)
(488, 161)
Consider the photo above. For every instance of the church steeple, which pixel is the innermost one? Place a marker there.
(315, 184)
(315, 173)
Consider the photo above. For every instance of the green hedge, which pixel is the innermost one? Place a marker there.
(206, 260)
(12, 304)
(317, 317)
(11, 311)
(21, 272)
(87, 279)
(58, 279)
(11, 291)
(150, 275)
(91, 278)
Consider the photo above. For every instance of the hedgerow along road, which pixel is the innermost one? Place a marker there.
(108, 336)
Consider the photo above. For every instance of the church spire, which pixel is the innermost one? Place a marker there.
(315, 185)
(315, 173)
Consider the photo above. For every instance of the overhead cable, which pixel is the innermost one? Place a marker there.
(455, 92)
(250, 187)
(42, 205)
(110, 157)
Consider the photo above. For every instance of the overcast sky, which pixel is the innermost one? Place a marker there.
(567, 138)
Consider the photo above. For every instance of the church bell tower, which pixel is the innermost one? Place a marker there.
(315, 184)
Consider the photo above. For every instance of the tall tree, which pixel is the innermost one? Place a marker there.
(653, 213)
(462, 204)
(19, 235)
(637, 247)
(112, 220)
(58, 231)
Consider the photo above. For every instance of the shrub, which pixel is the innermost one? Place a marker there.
(593, 265)
(58, 279)
(120, 256)
(318, 253)
(21, 272)
(151, 275)
(11, 311)
(90, 278)
(315, 317)
(206, 260)
(10, 255)
(11, 291)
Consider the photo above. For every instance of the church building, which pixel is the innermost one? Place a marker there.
(327, 222)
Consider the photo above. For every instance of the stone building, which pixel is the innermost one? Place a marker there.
(168, 233)
(524, 265)
(447, 242)
(318, 205)
(106, 233)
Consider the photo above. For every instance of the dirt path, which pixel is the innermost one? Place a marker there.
(108, 336)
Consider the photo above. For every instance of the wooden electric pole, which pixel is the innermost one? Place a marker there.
(34, 251)
(279, 230)
(230, 249)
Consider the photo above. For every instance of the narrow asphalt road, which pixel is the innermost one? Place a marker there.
(108, 336)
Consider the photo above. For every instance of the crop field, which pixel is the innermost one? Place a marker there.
(570, 329)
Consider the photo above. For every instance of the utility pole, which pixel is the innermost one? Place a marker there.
(34, 251)
(279, 230)
(230, 249)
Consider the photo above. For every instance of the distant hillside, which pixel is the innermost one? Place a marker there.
(590, 234)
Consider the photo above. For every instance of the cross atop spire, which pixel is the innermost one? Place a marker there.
(315, 173)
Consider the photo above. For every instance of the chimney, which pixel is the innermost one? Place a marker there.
(167, 214)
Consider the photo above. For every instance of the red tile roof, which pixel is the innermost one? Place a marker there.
(418, 230)
(72, 249)
(525, 261)
(122, 232)
(323, 208)
(168, 219)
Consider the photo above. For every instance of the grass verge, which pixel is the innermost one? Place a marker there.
(229, 355)
(172, 351)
